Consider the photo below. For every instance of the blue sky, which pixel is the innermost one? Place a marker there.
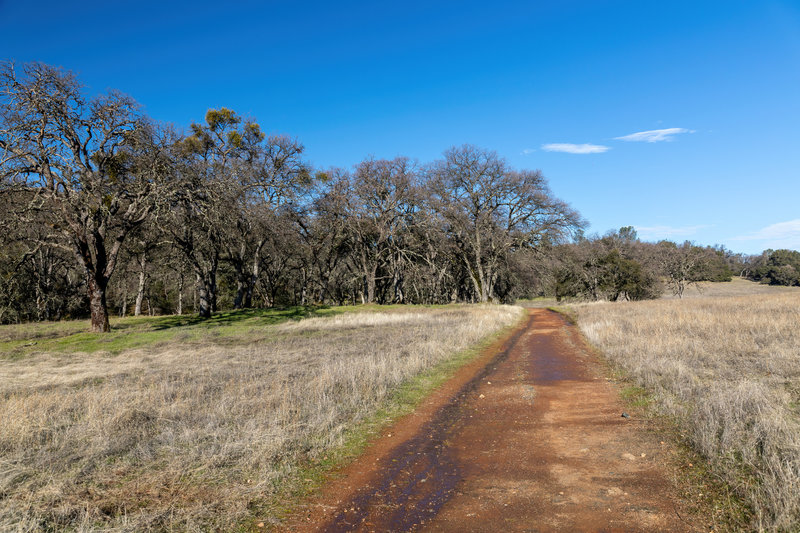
(535, 81)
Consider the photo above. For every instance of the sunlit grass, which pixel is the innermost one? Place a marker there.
(725, 365)
(216, 433)
(139, 332)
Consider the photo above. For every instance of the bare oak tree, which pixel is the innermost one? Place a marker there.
(377, 201)
(235, 178)
(491, 209)
(272, 176)
(94, 162)
(681, 265)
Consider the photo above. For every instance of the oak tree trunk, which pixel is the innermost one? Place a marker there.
(180, 294)
(369, 283)
(241, 290)
(206, 289)
(97, 305)
(140, 292)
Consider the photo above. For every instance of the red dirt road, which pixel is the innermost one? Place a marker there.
(529, 437)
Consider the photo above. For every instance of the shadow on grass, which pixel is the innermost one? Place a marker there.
(143, 331)
(264, 317)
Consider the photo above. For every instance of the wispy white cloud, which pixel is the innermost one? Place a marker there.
(667, 232)
(528, 151)
(575, 148)
(654, 136)
(780, 235)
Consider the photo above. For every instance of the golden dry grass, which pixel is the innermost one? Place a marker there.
(205, 437)
(730, 289)
(727, 368)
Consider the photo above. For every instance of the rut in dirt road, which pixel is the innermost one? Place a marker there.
(530, 440)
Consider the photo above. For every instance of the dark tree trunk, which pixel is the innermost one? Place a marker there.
(255, 271)
(97, 305)
(98, 268)
(206, 275)
(369, 283)
(248, 294)
(241, 291)
(304, 287)
(399, 292)
(242, 279)
(212, 290)
(204, 303)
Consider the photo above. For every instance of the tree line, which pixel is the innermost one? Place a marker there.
(95, 194)
(618, 266)
(106, 211)
(775, 267)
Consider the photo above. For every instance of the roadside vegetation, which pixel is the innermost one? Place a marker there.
(217, 432)
(724, 364)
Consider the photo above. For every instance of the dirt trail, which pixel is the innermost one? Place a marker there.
(529, 437)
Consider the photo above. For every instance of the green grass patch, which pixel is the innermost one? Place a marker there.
(229, 327)
(706, 494)
(636, 396)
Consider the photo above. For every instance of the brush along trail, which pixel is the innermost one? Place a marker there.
(527, 437)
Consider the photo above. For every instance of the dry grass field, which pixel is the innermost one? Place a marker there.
(730, 289)
(725, 364)
(204, 435)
